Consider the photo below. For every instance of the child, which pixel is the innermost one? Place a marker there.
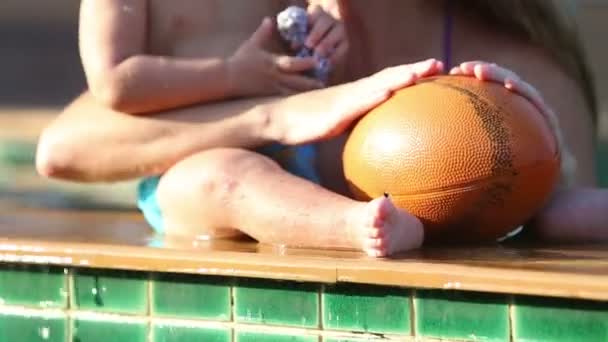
(141, 57)
(211, 180)
(145, 57)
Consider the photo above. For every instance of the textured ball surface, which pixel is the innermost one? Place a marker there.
(471, 159)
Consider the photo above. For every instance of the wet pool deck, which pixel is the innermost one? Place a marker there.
(122, 240)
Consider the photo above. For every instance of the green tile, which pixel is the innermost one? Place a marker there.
(38, 286)
(178, 333)
(191, 296)
(548, 320)
(367, 308)
(462, 315)
(275, 302)
(247, 336)
(31, 328)
(114, 291)
(120, 330)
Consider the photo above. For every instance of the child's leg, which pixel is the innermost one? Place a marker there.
(575, 216)
(233, 188)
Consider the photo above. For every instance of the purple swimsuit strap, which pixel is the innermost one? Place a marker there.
(447, 35)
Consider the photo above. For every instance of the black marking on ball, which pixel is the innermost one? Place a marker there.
(495, 129)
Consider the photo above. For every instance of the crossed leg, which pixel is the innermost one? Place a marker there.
(235, 188)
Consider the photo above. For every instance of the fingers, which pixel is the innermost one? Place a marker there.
(374, 90)
(404, 75)
(466, 68)
(339, 53)
(568, 162)
(321, 23)
(314, 13)
(330, 41)
(491, 72)
(283, 91)
(298, 83)
(528, 91)
(375, 233)
(426, 68)
(262, 34)
(374, 243)
(375, 253)
(370, 92)
(295, 64)
(484, 71)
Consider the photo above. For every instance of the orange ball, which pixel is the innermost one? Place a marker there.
(471, 159)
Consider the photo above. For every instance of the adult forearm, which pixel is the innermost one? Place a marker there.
(576, 215)
(89, 142)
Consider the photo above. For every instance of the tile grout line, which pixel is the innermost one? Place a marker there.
(149, 296)
(232, 308)
(320, 296)
(413, 331)
(511, 318)
(70, 324)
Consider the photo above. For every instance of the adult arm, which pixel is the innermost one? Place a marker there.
(574, 214)
(89, 142)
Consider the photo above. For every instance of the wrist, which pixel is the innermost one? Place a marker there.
(267, 124)
(231, 76)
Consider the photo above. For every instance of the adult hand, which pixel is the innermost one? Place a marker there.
(298, 124)
(491, 72)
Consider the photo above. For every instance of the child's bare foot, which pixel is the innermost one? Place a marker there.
(388, 230)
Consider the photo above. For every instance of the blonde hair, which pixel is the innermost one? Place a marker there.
(550, 24)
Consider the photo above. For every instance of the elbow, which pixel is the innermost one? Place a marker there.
(112, 93)
(123, 87)
(114, 85)
(56, 157)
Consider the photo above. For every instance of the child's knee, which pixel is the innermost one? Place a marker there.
(195, 192)
(215, 174)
